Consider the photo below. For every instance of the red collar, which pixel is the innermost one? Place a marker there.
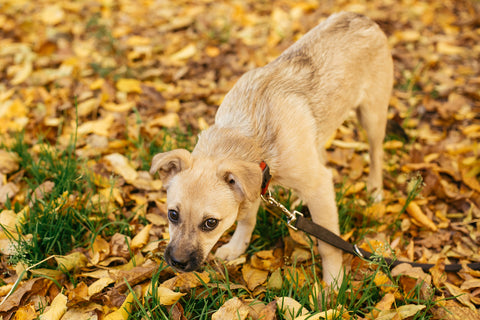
(266, 177)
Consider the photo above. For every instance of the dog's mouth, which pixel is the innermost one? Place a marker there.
(186, 261)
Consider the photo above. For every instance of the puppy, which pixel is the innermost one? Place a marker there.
(282, 114)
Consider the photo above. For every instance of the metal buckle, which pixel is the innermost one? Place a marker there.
(291, 216)
(357, 251)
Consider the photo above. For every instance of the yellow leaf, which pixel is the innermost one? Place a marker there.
(384, 304)
(402, 312)
(122, 166)
(168, 297)
(52, 15)
(231, 309)
(97, 84)
(21, 72)
(8, 220)
(56, 309)
(123, 107)
(71, 261)
(100, 127)
(99, 285)
(415, 212)
(88, 106)
(253, 277)
(141, 238)
(134, 41)
(156, 219)
(123, 312)
(185, 53)
(461, 295)
(186, 281)
(275, 281)
(129, 85)
(393, 145)
(449, 49)
(169, 120)
(8, 162)
(290, 308)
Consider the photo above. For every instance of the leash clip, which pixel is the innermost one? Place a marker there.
(291, 216)
(357, 251)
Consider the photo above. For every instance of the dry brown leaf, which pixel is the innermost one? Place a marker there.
(268, 312)
(452, 310)
(459, 294)
(232, 309)
(383, 305)
(27, 312)
(123, 312)
(99, 251)
(8, 162)
(290, 308)
(72, 261)
(401, 312)
(186, 281)
(253, 277)
(99, 285)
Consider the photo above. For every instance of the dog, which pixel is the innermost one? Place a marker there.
(281, 114)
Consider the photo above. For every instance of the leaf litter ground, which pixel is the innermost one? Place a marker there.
(91, 90)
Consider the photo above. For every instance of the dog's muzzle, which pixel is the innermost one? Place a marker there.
(185, 261)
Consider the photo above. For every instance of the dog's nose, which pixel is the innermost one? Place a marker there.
(182, 265)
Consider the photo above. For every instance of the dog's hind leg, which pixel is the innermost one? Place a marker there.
(373, 118)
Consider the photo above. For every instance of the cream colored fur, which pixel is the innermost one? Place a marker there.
(282, 113)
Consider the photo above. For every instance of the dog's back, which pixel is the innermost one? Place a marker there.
(334, 67)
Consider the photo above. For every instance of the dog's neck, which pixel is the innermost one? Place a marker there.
(227, 143)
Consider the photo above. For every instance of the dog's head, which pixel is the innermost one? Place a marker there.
(203, 199)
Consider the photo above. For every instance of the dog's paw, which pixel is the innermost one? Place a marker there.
(377, 195)
(228, 252)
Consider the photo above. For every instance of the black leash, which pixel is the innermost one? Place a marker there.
(296, 221)
(332, 239)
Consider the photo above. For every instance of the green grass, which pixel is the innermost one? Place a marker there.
(60, 217)
(65, 218)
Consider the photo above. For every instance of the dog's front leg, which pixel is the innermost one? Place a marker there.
(320, 197)
(243, 233)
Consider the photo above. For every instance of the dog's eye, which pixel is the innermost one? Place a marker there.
(209, 224)
(173, 216)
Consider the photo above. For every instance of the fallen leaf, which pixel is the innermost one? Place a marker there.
(459, 294)
(415, 212)
(186, 281)
(121, 166)
(129, 85)
(123, 312)
(141, 238)
(99, 285)
(402, 312)
(290, 308)
(383, 305)
(232, 309)
(8, 162)
(253, 277)
(56, 309)
(167, 297)
(72, 261)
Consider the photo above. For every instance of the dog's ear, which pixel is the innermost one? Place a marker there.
(245, 178)
(168, 164)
